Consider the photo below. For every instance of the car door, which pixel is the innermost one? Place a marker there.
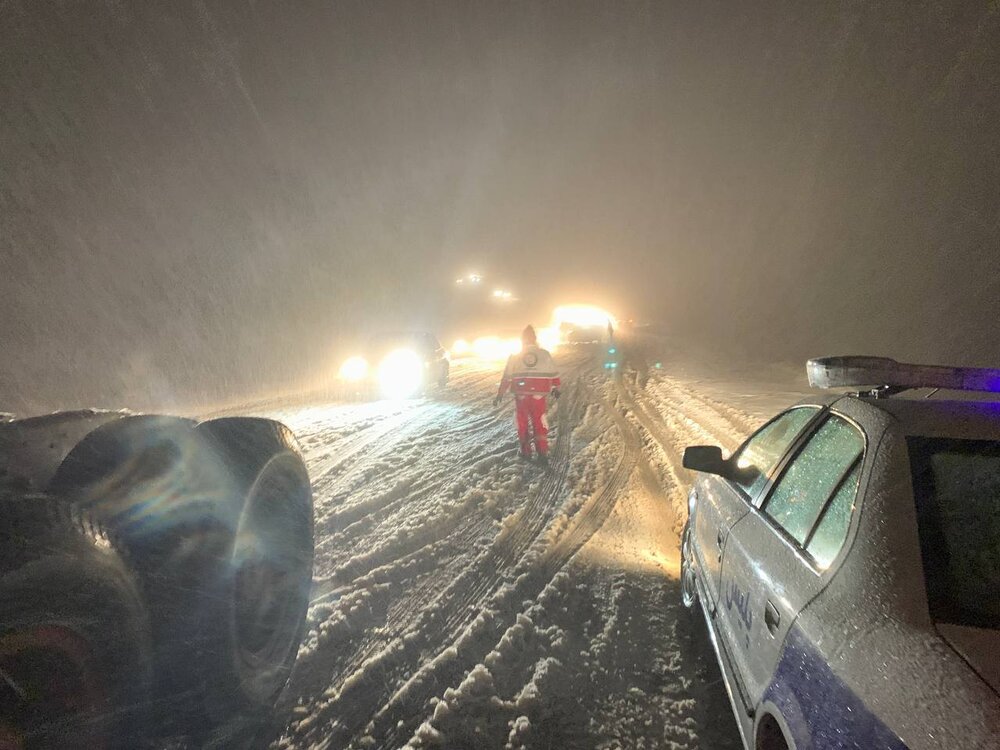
(720, 503)
(776, 556)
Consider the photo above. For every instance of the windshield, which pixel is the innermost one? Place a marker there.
(957, 491)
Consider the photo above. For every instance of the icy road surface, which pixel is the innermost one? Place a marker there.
(465, 599)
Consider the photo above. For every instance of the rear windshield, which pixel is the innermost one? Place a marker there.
(957, 491)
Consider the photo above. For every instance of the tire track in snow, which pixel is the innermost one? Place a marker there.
(438, 526)
(700, 415)
(376, 658)
(406, 447)
(441, 469)
(596, 511)
(656, 428)
(583, 524)
(383, 652)
(328, 469)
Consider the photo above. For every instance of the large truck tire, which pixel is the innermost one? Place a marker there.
(74, 636)
(217, 520)
(262, 596)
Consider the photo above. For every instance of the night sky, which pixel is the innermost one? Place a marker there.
(201, 200)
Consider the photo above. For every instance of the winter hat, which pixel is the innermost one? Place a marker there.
(528, 336)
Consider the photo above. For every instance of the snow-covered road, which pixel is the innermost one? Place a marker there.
(465, 599)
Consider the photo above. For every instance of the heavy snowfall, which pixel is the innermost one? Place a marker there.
(207, 204)
(464, 598)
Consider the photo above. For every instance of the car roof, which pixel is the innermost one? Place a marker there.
(973, 420)
(960, 419)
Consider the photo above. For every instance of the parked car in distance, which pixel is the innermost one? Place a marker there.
(396, 365)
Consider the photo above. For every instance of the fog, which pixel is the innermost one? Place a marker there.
(199, 201)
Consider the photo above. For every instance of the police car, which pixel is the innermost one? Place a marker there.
(847, 561)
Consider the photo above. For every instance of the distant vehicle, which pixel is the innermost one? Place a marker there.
(396, 365)
(151, 568)
(846, 559)
(583, 334)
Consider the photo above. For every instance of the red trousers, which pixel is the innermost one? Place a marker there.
(531, 424)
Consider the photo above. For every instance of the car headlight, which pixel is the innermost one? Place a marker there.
(400, 374)
(354, 369)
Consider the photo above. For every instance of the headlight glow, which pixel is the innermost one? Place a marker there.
(354, 369)
(549, 338)
(400, 374)
(495, 348)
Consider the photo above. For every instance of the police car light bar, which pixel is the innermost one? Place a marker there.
(893, 376)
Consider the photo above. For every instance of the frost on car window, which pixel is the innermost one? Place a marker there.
(813, 476)
(957, 491)
(831, 531)
(760, 454)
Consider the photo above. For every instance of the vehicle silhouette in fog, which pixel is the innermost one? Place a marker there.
(398, 364)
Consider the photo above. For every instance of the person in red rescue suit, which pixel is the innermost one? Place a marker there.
(531, 375)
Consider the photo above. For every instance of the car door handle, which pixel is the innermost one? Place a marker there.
(772, 618)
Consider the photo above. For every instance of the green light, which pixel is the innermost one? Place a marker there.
(612, 350)
(659, 365)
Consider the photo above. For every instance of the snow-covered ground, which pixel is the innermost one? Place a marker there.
(465, 599)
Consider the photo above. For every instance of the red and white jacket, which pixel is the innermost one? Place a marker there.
(530, 372)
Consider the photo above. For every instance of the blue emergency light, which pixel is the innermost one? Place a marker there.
(884, 375)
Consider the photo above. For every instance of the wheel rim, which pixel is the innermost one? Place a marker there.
(48, 672)
(689, 589)
(272, 575)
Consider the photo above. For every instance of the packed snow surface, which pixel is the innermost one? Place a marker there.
(464, 598)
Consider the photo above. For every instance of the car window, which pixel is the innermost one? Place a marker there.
(814, 476)
(759, 455)
(957, 493)
(829, 534)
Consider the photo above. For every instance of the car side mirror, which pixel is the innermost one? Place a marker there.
(706, 458)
